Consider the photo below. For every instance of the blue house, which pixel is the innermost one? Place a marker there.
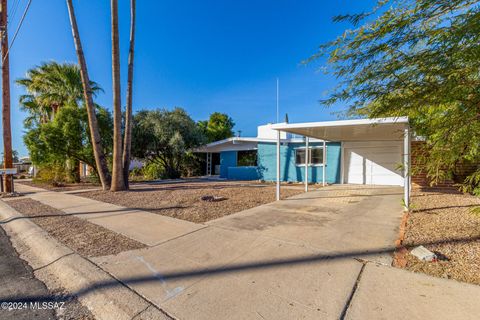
(254, 158)
(358, 151)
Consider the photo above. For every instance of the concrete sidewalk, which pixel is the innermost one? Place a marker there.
(145, 227)
(313, 256)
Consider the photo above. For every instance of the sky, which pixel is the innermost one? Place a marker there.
(204, 56)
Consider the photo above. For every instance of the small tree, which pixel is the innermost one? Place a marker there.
(163, 136)
(218, 127)
(66, 139)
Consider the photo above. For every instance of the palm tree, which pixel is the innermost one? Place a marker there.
(51, 86)
(100, 159)
(127, 142)
(117, 167)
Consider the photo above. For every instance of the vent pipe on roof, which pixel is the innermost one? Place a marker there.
(239, 133)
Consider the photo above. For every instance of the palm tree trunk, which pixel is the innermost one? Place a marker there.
(7, 131)
(127, 142)
(117, 168)
(100, 159)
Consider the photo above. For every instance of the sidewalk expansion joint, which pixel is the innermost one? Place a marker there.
(352, 293)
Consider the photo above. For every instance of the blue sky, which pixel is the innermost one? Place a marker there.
(204, 56)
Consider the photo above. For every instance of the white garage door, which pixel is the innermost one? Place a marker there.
(373, 163)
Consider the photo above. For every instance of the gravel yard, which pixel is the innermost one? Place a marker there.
(183, 200)
(86, 238)
(65, 187)
(445, 222)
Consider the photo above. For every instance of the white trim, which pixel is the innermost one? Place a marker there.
(307, 158)
(324, 158)
(310, 164)
(340, 123)
(235, 140)
(342, 163)
(278, 167)
(406, 165)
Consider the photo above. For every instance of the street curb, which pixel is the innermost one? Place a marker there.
(59, 266)
(399, 256)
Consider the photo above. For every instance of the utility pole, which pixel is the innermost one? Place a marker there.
(7, 130)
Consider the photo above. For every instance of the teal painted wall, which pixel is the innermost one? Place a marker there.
(243, 173)
(289, 171)
(227, 159)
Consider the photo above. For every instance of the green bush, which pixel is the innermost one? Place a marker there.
(52, 174)
(153, 171)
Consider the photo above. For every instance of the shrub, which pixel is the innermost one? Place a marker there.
(53, 174)
(153, 171)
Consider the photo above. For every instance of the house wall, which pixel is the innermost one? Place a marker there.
(243, 173)
(227, 159)
(267, 163)
(419, 155)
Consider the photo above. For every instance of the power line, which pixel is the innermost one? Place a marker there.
(18, 28)
(13, 11)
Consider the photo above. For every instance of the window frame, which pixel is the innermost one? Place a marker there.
(310, 164)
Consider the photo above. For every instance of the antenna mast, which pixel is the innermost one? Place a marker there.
(277, 100)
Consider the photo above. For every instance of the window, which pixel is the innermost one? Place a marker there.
(247, 158)
(315, 156)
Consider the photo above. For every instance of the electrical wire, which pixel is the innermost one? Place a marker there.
(18, 29)
(13, 11)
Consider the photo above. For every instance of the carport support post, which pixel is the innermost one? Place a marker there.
(306, 163)
(406, 165)
(278, 166)
(323, 166)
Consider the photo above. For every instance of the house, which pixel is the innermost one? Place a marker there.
(360, 151)
(253, 158)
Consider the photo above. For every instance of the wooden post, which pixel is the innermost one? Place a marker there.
(7, 131)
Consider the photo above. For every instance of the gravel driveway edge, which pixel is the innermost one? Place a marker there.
(58, 266)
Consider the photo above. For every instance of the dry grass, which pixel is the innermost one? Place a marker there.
(183, 200)
(86, 238)
(446, 223)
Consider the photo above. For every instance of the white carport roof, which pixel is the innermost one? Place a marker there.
(394, 128)
(350, 130)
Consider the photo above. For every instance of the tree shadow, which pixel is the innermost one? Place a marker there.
(230, 269)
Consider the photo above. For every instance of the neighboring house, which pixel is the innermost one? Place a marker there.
(23, 165)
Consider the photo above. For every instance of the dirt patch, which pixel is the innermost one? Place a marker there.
(183, 200)
(86, 238)
(65, 187)
(444, 223)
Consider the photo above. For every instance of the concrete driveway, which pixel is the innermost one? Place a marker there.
(300, 258)
(343, 219)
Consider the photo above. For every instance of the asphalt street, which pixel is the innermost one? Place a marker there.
(16, 282)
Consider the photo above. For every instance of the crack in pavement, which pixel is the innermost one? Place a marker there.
(352, 293)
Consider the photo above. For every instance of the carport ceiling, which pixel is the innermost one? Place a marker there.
(350, 130)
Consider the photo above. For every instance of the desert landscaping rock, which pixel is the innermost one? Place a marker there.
(445, 224)
(82, 236)
(182, 200)
(63, 187)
